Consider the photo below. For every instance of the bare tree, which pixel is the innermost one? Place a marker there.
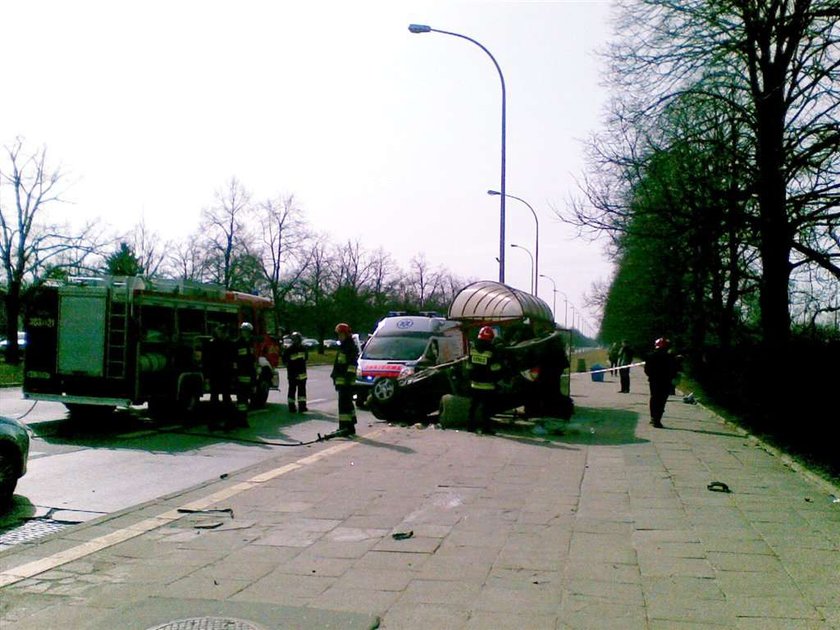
(224, 227)
(777, 65)
(425, 282)
(284, 238)
(29, 242)
(187, 259)
(149, 249)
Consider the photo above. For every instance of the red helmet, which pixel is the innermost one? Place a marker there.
(661, 343)
(342, 328)
(486, 333)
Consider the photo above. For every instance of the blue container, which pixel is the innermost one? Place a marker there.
(597, 375)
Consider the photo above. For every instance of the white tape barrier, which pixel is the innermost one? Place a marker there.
(618, 367)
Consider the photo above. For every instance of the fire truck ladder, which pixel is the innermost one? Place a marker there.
(117, 339)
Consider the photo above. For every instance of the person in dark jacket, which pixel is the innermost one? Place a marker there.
(661, 369)
(344, 378)
(295, 358)
(219, 362)
(625, 358)
(246, 373)
(484, 368)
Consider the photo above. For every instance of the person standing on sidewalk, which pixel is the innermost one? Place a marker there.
(344, 378)
(625, 358)
(484, 367)
(661, 369)
(295, 358)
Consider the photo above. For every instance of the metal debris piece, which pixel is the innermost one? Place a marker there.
(219, 511)
(402, 535)
(718, 486)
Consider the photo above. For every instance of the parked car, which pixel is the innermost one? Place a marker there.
(331, 343)
(14, 452)
(310, 344)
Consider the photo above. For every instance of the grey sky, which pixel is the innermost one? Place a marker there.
(383, 136)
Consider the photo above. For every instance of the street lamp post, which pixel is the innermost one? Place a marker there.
(536, 289)
(422, 28)
(565, 310)
(531, 256)
(554, 296)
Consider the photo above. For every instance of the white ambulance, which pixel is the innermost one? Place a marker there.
(399, 346)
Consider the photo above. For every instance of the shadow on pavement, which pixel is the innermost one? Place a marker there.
(592, 425)
(588, 426)
(134, 429)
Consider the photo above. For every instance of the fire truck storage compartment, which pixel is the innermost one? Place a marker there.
(81, 338)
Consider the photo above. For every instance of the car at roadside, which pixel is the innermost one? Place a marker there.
(14, 452)
(310, 344)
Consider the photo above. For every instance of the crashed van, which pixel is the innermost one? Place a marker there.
(400, 346)
(534, 350)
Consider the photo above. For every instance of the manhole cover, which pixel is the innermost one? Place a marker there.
(31, 530)
(208, 623)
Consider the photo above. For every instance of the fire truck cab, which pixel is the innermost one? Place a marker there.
(100, 343)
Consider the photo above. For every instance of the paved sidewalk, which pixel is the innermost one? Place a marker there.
(609, 525)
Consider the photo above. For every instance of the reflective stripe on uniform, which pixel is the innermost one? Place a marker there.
(301, 377)
(298, 355)
(482, 386)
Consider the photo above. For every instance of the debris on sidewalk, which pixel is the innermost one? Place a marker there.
(402, 535)
(718, 486)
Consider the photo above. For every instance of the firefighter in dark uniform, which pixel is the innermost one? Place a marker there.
(246, 372)
(661, 369)
(344, 377)
(220, 373)
(295, 358)
(484, 368)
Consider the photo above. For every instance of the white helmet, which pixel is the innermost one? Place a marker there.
(246, 326)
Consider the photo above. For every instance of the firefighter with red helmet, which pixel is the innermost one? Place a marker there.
(484, 368)
(661, 369)
(344, 378)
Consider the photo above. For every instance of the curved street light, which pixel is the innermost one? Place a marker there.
(531, 256)
(423, 28)
(536, 288)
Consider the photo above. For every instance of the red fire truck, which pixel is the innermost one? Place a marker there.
(99, 343)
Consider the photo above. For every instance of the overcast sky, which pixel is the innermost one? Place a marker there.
(383, 136)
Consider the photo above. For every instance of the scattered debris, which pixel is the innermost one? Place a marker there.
(689, 399)
(211, 511)
(718, 486)
(208, 525)
(402, 535)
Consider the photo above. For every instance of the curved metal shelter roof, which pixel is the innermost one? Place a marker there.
(489, 301)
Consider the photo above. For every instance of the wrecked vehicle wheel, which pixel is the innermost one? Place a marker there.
(384, 390)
